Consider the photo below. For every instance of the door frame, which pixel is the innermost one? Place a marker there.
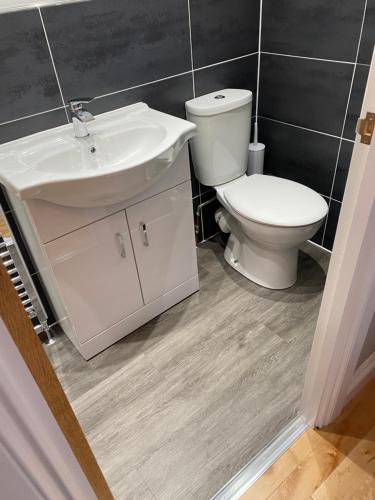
(40, 435)
(349, 295)
(31, 442)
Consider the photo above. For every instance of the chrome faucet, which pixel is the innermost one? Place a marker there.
(80, 116)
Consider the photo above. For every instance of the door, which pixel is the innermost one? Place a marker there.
(45, 442)
(162, 231)
(349, 297)
(96, 275)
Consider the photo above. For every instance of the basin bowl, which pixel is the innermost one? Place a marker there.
(126, 152)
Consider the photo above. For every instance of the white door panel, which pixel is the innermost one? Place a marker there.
(96, 275)
(162, 233)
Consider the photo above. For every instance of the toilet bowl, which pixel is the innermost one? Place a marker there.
(268, 217)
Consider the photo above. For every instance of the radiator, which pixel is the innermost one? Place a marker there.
(22, 282)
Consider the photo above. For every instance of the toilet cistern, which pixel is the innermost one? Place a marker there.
(80, 116)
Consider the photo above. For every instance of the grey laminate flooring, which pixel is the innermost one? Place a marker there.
(175, 409)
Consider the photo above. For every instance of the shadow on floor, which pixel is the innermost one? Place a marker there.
(312, 271)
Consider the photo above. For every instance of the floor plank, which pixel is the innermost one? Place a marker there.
(337, 462)
(183, 403)
(4, 230)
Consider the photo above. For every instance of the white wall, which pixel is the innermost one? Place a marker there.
(369, 344)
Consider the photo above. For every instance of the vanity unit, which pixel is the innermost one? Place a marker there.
(113, 240)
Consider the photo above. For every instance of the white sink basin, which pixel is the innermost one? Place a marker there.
(127, 151)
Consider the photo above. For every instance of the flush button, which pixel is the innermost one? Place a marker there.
(220, 96)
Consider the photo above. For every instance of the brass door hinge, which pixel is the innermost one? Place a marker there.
(365, 128)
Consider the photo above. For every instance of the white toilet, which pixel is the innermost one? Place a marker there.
(268, 217)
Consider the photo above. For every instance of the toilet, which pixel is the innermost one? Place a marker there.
(268, 217)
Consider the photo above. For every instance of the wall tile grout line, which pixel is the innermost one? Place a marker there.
(167, 78)
(53, 63)
(129, 88)
(191, 48)
(173, 76)
(337, 201)
(329, 198)
(304, 128)
(151, 82)
(259, 56)
(194, 95)
(32, 116)
(307, 57)
(226, 61)
(345, 117)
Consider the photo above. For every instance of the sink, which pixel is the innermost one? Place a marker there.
(126, 152)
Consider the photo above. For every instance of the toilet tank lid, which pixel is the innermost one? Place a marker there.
(218, 102)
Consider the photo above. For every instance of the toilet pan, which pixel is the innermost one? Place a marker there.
(269, 219)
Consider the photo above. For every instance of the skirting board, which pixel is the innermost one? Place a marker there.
(241, 482)
(320, 246)
(363, 374)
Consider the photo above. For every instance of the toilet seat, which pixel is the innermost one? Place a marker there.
(274, 201)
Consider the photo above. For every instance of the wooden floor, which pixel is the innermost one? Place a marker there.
(335, 463)
(175, 409)
(4, 231)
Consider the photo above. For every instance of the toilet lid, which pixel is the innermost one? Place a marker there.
(275, 201)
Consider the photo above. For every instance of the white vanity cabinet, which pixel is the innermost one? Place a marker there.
(96, 275)
(162, 231)
(108, 270)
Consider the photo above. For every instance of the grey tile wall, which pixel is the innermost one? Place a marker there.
(368, 36)
(32, 124)
(120, 53)
(306, 92)
(101, 47)
(342, 169)
(312, 28)
(299, 155)
(223, 30)
(168, 95)
(356, 98)
(166, 51)
(314, 66)
(28, 83)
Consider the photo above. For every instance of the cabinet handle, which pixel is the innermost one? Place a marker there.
(143, 227)
(121, 244)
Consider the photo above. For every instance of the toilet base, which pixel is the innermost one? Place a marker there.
(268, 267)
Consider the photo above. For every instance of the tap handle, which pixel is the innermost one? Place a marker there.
(77, 103)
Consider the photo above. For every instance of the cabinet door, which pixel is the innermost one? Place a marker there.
(96, 275)
(162, 231)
